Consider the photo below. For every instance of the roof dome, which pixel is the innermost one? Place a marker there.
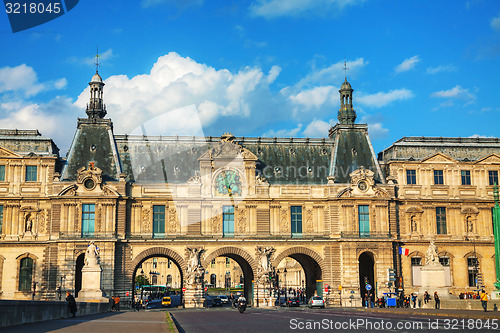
(345, 85)
(96, 78)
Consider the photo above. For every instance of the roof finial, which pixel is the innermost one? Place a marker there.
(97, 60)
(345, 69)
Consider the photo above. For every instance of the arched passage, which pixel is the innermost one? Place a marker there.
(243, 259)
(366, 273)
(311, 263)
(156, 252)
(80, 261)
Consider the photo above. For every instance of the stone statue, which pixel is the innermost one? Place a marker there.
(470, 225)
(413, 224)
(194, 269)
(264, 255)
(92, 255)
(431, 256)
(29, 223)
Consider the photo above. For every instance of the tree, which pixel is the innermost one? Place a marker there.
(141, 280)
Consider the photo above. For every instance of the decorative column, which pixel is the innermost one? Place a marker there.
(496, 233)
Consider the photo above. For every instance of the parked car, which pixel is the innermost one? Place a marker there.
(166, 302)
(224, 299)
(216, 301)
(208, 301)
(294, 301)
(280, 301)
(316, 301)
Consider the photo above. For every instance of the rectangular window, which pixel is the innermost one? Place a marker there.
(296, 215)
(445, 261)
(441, 220)
(493, 177)
(31, 171)
(228, 262)
(213, 263)
(158, 221)
(472, 264)
(416, 261)
(411, 177)
(438, 177)
(25, 274)
(2, 173)
(169, 264)
(1, 219)
(155, 263)
(364, 221)
(88, 220)
(228, 221)
(465, 177)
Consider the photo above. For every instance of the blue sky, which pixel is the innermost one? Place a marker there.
(259, 67)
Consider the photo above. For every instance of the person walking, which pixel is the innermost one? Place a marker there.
(437, 305)
(117, 303)
(71, 303)
(112, 303)
(484, 300)
(414, 300)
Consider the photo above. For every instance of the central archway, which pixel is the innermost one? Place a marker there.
(243, 259)
(366, 273)
(312, 264)
(157, 252)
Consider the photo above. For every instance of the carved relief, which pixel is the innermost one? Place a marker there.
(284, 221)
(263, 255)
(240, 220)
(194, 271)
(216, 222)
(78, 226)
(309, 221)
(172, 221)
(146, 221)
(41, 221)
(98, 218)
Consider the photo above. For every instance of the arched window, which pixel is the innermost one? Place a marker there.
(25, 274)
(213, 280)
(472, 270)
(169, 280)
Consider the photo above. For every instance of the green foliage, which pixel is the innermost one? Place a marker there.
(141, 280)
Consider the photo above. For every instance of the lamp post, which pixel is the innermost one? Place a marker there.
(34, 290)
(60, 290)
(142, 289)
(286, 290)
(496, 233)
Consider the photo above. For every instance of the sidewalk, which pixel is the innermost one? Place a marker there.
(465, 314)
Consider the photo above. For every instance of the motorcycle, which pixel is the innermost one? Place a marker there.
(242, 305)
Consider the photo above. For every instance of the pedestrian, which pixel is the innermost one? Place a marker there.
(117, 303)
(372, 300)
(437, 301)
(71, 303)
(414, 300)
(427, 297)
(484, 300)
(111, 303)
(366, 300)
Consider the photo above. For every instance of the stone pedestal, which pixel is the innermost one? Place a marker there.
(495, 295)
(91, 285)
(433, 279)
(193, 296)
(261, 296)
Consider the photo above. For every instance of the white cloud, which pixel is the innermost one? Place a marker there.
(314, 98)
(407, 64)
(175, 82)
(331, 74)
(277, 8)
(23, 79)
(284, 133)
(440, 68)
(381, 99)
(495, 23)
(318, 128)
(456, 92)
(377, 130)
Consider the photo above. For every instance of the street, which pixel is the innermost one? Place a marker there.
(304, 319)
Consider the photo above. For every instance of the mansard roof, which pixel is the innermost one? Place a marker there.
(27, 142)
(419, 148)
(174, 159)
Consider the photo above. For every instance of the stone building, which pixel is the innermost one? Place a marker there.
(328, 203)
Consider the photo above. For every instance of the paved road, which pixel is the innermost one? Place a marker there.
(303, 319)
(123, 322)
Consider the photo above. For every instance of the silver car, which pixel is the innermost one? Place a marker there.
(316, 301)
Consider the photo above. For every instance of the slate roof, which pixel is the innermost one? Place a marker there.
(461, 149)
(26, 142)
(175, 159)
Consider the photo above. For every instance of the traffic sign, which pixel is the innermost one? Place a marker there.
(206, 288)
(368, 287)
(326, 285)
(183, 289)
(127, 293)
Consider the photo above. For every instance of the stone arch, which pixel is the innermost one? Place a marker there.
(473, 254)
(312, 264)
(243, 258)
(154, 252)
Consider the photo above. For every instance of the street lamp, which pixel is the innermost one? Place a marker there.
(142, 289)
(34, 290)
(286, 290)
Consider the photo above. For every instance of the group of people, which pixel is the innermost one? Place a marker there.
(114, 303)
(300, 293)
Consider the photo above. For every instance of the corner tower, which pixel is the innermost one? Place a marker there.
(352, 146)
(94, 140)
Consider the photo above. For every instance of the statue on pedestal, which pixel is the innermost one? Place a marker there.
(92, 255)
(431, 256)
(195, 270)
